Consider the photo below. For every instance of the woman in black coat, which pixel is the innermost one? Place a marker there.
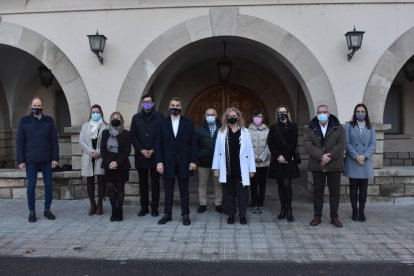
(282, 141)
(115, 150)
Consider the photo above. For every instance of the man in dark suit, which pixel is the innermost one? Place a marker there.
(176, 156)
(144, 126)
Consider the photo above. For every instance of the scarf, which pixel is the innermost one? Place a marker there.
(112, 143)
(361, 126)
(95, 128)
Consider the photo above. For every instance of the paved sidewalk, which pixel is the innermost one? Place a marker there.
(387, 235)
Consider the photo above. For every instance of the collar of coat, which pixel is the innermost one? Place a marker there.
(206, 125)
(252, 126)
(333, 123)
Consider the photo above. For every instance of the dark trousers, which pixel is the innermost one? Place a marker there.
(333, 179)
(169, 195)
(31, 172)
(284, 187)
(90, 187)
(258, 186)
(234, 193)
(143, 187)
(358, 189)
(116, 193)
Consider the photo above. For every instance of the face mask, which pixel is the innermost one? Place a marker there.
(175, 111)
(115, 122)
(96, 116)
(36, 111)
(211, 119)
(231, 120)
(257, 121)
(282, 116)
(360, 116)
(148, 106)
(322, 117)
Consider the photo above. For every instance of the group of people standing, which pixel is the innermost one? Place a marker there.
(234, 155)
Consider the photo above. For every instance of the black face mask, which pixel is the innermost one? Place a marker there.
(175, 111)
(115, 122)
(36, 111)
(231, 120)
(282, 116)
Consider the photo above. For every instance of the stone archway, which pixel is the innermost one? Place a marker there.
(385, 72)
(52, 57)
(226, 22)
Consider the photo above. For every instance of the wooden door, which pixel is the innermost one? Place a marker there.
(222, 97)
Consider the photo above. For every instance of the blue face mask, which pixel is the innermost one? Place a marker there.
(322, 117)
(360, 116)
(211, 119)
(96, 116)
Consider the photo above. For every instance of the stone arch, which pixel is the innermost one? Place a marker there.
(52, 57)
(227, 22)
(385, 72)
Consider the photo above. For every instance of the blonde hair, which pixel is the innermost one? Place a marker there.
(240, 119)
(288, 112)
(120, 116)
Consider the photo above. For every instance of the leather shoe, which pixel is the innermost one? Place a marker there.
(202, 209)
(355, 216)
(282, 214)
(155, 213)
(32, 217)
(230, 219)
(48, 214)
(336, 222)
(315, 221)
(143, 212)
(165, 219)
(243, 220)
(186, 220)
(219, 209)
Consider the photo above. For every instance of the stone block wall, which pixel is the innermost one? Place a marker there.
(399, 159)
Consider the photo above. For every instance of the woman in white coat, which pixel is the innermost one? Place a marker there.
(234, 163)
(360, 145)
(90, 140)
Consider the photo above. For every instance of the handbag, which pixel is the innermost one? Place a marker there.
(296, 155)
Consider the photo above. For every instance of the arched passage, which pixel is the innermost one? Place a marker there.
(385, 72)
(226, 22)
(52, 57)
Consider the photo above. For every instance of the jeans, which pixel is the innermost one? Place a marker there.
(31, 171)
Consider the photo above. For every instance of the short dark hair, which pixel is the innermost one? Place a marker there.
(147, 96)
(175, 99)
(256, 112)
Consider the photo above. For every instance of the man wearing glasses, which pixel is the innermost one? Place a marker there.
(324, 140)
(206, 135)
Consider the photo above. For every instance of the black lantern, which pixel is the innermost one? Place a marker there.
(46, 76)
(354, 41)
(409, 69)
(224, 66)
(97, 43)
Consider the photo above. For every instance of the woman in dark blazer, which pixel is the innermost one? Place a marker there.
(115, 150)
(282, 141)
(360, 145)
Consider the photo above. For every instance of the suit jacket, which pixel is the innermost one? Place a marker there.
(359, 144)
(176, 152)
(247, 162)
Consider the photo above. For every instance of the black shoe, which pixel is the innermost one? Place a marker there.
(202, 209)
(114, 214)
(32, 217)
(355, 215)
(143, 212)
(119, 214)
(282, 214)
(243, 220)
(219, 209)
(155, 213)
(230, 219)
(48, 214)
(165, 219)
(186, 220)
(289, 215)
(362, 216)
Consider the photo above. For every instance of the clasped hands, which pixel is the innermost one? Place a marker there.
(281, 159)
(147, 153)
(160, 167)
(113, 165)
(360, 159)
(325, 159)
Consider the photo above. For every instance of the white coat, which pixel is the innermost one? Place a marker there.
(247, 162)
(85, 141)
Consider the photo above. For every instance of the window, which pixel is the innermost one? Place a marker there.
(393, 110)
(62, 113)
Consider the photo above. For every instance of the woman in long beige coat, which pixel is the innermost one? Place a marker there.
(90, 140)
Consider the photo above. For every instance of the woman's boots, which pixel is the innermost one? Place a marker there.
(358, 214)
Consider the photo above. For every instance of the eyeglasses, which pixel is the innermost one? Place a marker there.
(147, 101)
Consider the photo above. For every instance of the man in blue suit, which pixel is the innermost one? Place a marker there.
(176, 156)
